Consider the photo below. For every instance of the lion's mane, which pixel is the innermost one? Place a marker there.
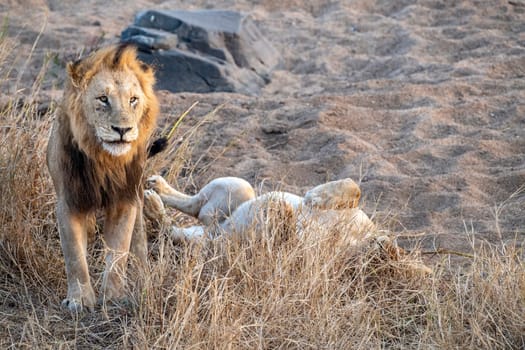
(93, 177)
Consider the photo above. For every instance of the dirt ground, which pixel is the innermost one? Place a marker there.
(423, 102)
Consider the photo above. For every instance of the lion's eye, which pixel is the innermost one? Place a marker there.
(103, 99)
(133, 100)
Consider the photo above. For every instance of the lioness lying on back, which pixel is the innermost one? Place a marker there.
(229, 205)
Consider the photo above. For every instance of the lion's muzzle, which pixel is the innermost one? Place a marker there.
(118, 141)
(121, 131)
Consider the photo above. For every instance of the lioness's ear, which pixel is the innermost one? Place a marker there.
(73, 70)
(357, 197)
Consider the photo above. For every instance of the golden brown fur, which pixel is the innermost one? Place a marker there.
(96, 155)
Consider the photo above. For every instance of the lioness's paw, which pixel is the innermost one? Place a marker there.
(153, 206)
(157, 183)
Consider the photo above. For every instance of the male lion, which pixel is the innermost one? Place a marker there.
(96, 155)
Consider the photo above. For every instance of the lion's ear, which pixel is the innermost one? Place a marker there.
(73, 70)
(146, 68)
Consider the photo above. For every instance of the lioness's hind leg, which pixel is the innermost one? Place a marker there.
(190, 205)
(159, 185)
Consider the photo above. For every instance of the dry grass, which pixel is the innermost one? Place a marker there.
(308, 293)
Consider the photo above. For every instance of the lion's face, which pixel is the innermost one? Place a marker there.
(110, 104)
(113, 106)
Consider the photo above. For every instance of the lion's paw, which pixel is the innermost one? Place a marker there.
(74, 306)
(80, 300)
(158, 184)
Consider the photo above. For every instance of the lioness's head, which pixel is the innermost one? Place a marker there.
(112, 107)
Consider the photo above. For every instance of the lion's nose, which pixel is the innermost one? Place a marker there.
(121, 131)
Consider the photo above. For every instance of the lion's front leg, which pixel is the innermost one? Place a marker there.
(73, 239)
(120, 220)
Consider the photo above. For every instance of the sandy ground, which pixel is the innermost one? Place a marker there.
(423, 102)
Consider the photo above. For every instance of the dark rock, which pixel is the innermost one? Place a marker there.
(203, 51)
